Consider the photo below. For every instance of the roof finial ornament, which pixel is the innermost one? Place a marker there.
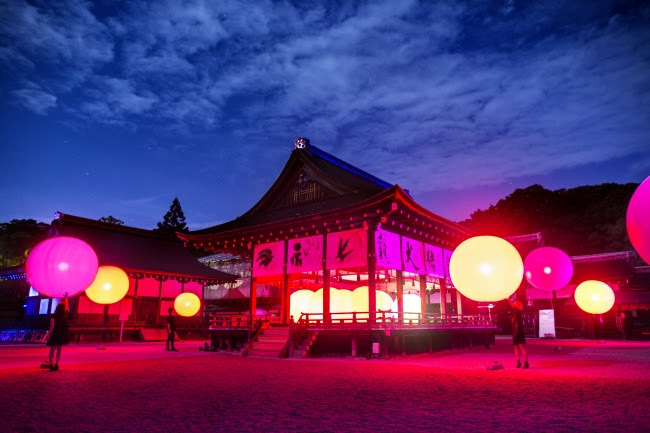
(301, 143)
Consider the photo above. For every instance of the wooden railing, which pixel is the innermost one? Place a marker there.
(390, 318)
(239, 321)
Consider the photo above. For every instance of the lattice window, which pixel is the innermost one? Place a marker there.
(305, 190)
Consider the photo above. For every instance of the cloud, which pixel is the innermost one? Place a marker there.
(35, 99)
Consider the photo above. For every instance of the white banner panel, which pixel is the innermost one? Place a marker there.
(446, 256)
(305, 254)
(347, 249)
(412, 255)
(269, 259)
(387, 250)
(433, 261)
(546, 324)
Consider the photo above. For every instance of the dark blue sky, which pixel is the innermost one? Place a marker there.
(113, 108)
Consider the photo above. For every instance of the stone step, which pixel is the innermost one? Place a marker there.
(270, 338)
(264, 353)
(268, 345)
(274, 331)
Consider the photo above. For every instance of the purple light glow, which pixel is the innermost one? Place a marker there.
(638, 220)
(548, 268)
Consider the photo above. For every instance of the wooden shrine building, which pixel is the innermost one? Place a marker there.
(159, 269)
(327, 224)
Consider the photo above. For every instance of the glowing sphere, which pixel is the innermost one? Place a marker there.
(638, 220)
(360, 301)
(187, 304)
(299, 303)
(412, 306)
(110, 285)
(486, 268)
(61, 265)
(548, 268)
(316, 304)
(594, 297)
(340, 302)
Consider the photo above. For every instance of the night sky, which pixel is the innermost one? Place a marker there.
(110, 108)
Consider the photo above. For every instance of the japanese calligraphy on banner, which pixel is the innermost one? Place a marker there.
(305, 254)
(433, 261)
(446, 255)
(387, 250)
(347, 249)
(412, 255)
(269, 259)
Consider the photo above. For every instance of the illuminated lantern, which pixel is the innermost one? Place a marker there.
(61, 265)
(299, 303)
(548, 268)
(360, 301)
(486, 268)
(412, 306)
(110, 285)
(594, 297)
(638, 220)
(340, 302)
(187, 304)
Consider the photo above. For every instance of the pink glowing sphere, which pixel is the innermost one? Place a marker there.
(61, 265)
(187, 304)
(594, 297)
(486, 268)
(548, 268)
(638, 220)
(110, 285)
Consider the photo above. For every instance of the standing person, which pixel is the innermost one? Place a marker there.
(171, 330)
(58, 334)
(518, 337)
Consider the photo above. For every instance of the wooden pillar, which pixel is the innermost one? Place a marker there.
(400, 295)
(253, 295)
(443, 297)
(459, 302)
(423, 295)
(372, 269)
(286, 291)
(354, 346)
(160, 283)
(326, 285)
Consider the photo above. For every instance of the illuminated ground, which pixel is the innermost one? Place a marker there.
(585, 386)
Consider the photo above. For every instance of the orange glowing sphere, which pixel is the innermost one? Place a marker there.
(360, 301)
(340, 302)
(299, 303)
(110, 285)
(316, 303)
(594, 297)
(486, 268)
(187, 304)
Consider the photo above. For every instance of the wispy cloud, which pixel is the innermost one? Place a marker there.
(442, 95)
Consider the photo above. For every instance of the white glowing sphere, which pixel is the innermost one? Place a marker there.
(316, 304)
(299, 303)
(594, 297)
(340, 302)
(412, 306)
(360, 301)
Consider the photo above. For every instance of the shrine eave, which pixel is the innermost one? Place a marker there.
(392, 209)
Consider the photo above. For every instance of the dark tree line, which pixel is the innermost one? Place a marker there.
(581, 220)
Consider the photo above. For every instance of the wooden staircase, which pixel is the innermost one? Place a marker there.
(303, 348)
(270, 342)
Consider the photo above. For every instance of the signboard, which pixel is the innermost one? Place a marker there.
(412, 255)
(387, 250)
(546, 324)
(305, 254)
(269, 259)
(347, 249)
(446, 256)
(433, 261)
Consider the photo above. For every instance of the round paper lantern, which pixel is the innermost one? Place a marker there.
(110, 285)
(299, 303)
(548, 268)
(316, 304)
(360, 301)
(594, 297)
(187, 304)
(412, 306)
(340, 302)
(61, 265)
(638, 220)
(486, 268)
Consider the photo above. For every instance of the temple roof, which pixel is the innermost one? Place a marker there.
(312, 181)
(138, 251)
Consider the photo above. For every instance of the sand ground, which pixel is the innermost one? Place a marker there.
(572, 386)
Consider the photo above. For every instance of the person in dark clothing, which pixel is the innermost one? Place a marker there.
(518, 337)
(57, 335)
(171, 330)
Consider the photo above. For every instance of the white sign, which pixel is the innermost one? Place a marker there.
(546, 324)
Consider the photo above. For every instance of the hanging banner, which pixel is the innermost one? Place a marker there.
(305, 254)
(446, 256)
(412, 255)
(347, 249)
(433, 261)
(387, 250)
(269, 259)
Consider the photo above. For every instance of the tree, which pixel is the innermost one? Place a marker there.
(17, 238)
(111, 220)
(174, 219)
